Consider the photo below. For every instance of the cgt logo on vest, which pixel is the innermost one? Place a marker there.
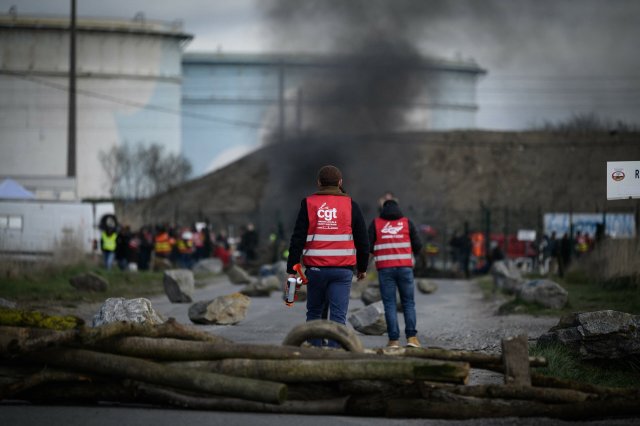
(326, 213)
(390, 229)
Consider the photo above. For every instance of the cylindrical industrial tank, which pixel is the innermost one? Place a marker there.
(128, 92)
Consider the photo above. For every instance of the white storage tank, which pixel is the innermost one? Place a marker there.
(128, 91)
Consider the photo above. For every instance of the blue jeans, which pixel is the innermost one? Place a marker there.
(402, 278)
(331, 285)
(108, 257)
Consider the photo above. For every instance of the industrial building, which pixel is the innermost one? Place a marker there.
(128, 92)
(135, 85)
(235, 103)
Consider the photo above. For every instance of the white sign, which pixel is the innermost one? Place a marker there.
(623, 180)
(526, 235)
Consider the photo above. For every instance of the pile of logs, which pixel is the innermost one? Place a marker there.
(180, 366)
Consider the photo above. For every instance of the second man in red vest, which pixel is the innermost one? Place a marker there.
(393, 238)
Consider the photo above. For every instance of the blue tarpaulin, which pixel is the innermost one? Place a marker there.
(12, 190)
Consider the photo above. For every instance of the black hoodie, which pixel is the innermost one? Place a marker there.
(391, 211)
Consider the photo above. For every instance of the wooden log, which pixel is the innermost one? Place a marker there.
(331, 370)
(515, 357)
(20, 340)
(493, 408)
(551, 395)
(17, 340)
(29, 381)
(319, 329)
(602, 391)
(146, 371)
(182, 350)
(170, 329)
(79, 393)
(475, 359)
(164, 396)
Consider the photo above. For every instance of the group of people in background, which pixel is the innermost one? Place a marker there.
(179, 246)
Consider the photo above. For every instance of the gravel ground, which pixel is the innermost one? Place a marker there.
(456, 317)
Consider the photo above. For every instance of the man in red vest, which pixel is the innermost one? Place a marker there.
(330, 239)
(393, 238)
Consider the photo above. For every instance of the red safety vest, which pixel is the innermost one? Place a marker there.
(392, 248)
(329, 236)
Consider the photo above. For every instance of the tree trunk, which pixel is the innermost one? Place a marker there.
(550, 395)
(182, 350)
(515, 358)
(292, 371)
(602, 391)
(475, 359)
(146, 371)
(163, 396)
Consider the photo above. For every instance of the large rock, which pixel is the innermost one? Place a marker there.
(116, 309)
(371, 294)
(263, 286)
(178, 285)
(211, 265)
(506, 276)
(426, 286)
(161, 264)
(544, 292)
(369, 320)
(597, 335)
(237, 275)
(357, 288)
(89, 282)
(223, 310)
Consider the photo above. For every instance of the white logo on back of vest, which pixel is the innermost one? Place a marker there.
(390, 229)
(326, 213)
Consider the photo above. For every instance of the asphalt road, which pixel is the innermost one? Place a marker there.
(456, 316)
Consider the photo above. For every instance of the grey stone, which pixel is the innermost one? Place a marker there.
(597, 335)
(4, 303)
(211, 265)
(371, 294)
(161, 264)
(426, 286)
(237, 275)
(223, 310)
(116, 309)
(506, 276)
(263, 286)
(544, 292)
(369, 320)
(178, 285)
(357, 288)
(89, 282)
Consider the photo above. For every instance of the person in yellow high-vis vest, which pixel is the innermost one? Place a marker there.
(108, 245)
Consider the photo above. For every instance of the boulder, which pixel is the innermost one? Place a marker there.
(357, 288)
(178, 285)
(506, 276)
(223, 310)
(237, 275)
(597, 335)
(211, 265)
(161, 264)
(544, 292)
(263, 286)
(369, 320)
(371, 294)
(89, 282)
(116, 309)
(426, 286)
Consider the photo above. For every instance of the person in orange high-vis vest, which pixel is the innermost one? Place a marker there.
(330, 239)
(163, 244)
(394, 241)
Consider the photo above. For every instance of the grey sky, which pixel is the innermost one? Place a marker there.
(547, 59)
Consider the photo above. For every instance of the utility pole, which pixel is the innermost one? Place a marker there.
(71, 118)
(281, 109)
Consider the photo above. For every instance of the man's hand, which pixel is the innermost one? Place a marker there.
(362, 276)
